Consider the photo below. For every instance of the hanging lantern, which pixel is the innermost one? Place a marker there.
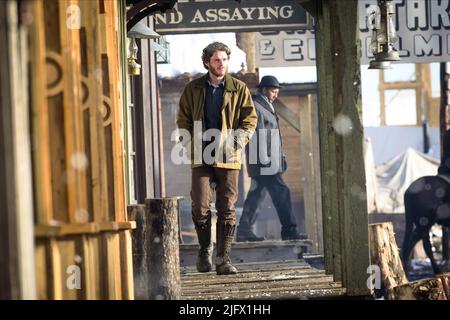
(383, 36)
(139, 31)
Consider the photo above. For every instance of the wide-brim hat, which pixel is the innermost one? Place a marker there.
(269, 82)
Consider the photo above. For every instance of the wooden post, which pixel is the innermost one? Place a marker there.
(341, 143)
(246, 42)
(384, 254)
(443, 125)
(40, 118)
(419, 91)
(382, 98)
(156, 261)
(147, 115)
(93, 121)
(311, 168)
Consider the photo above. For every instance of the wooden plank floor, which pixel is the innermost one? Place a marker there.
(288, 279)
(245, 252)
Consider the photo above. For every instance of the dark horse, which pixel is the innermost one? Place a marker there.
(427, 201)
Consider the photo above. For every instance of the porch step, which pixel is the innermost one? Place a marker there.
(244, 252)
(291, 279)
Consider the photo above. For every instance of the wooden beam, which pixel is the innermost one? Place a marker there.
(126, 265)
(158, 158)
(73, 118)
(162, 170)
(420, 106)
(40, 120)
(382, 98)
(311, 170)
(42, 280)
(54, 270)
(325, 63)
(148, 142)
(111, 53)
(126, 97)
(401, 85)
(443, 125)
(341, 140)
(54, 94)
(111, 263)
(94, 126)
(89, 266)
(143, 127)
(60, 230)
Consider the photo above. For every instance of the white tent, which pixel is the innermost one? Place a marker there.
(395, 176)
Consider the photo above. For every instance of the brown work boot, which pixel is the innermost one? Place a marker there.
(204, 259)
(225, 234)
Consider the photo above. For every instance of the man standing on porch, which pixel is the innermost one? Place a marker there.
(266, 164)
(220, 107)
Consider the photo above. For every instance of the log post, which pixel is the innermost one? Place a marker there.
(385, 254)
(156, 261)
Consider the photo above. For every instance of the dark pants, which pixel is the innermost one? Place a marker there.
(226, 185)
(281, 198)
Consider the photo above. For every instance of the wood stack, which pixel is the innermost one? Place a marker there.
(436, 288)
(394, 284)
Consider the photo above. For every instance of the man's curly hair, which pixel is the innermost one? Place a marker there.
(211, 48)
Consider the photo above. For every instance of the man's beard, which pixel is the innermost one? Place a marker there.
(216, 73)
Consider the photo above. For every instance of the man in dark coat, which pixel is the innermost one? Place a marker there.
(266, 164)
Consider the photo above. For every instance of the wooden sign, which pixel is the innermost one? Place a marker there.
(203, 16)
(422, 27)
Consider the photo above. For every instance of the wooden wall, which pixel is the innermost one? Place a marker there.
(292, 147)
(83, 241)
